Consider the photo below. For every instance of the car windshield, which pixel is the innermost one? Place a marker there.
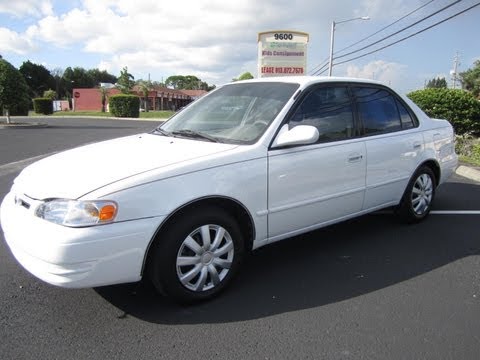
(235, 113)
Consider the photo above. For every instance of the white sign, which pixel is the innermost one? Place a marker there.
(282, 53)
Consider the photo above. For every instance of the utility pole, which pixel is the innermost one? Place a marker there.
(454, 72)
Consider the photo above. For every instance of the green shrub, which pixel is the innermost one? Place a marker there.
(458, 106)
(123, 105)
(43, 106)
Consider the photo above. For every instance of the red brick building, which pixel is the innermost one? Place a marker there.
(161, 98)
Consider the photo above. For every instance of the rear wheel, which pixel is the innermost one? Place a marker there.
(197, 255)
(418, 197)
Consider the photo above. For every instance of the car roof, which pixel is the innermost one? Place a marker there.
(308, 80)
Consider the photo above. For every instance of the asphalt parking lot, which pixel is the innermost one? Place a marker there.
(369, 288)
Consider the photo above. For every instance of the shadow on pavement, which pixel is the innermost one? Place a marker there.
(326, 266)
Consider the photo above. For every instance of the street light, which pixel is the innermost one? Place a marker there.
(332, 37)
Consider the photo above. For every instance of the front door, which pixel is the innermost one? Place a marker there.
(313, 185)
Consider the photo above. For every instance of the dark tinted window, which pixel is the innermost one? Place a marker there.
(407, 121)
(329, 109)
(377, 110)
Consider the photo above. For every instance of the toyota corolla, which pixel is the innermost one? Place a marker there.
(251, 163)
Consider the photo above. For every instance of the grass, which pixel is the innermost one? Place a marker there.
(469, 160)
(156, 114)
(143, 115)
(468, 149)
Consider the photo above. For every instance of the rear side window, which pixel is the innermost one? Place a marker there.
(329, 109)
(377, 110)
(407, 121)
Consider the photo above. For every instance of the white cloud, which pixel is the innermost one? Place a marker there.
(381, 9)
(390, 73)
(212, 39)
(14, 42)
(23, 8)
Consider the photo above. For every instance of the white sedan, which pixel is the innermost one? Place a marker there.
(251, 163)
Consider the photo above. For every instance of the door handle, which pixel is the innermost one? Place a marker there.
(355, 158)
(417, 145)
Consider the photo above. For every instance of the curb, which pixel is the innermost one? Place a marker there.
(468, 172)
(23, 125)
(87, 117)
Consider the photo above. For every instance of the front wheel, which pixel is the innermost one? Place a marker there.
(417, 200)
(197, 255)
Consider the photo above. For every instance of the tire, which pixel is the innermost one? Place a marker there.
(417, 200)
(197, 255)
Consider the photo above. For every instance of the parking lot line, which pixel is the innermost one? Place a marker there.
(455, 212)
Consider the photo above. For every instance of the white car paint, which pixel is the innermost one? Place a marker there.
(286, 191)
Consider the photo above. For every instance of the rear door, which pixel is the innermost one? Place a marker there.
(393, 144)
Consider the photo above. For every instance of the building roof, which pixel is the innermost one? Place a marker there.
(194, 93)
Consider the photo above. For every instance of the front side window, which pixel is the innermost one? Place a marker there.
(235, 113)
(329, 109)
(377, 110)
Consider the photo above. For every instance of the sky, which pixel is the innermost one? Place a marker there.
(216, 40)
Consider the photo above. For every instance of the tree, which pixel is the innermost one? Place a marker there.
(156, 84)
(244, 76)
(50, 94)
(471, 79)
(126, 81)
(57, 74)
(188, 82)
(77, 77)
(437, 83)
(14, 99)
(104, 95)
(38, 78)
(101, 76)
(145, 87)
(175, 81)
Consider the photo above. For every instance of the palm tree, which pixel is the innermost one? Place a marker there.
(104, 93)
(145, 87)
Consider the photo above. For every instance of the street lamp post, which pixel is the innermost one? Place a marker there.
(332, 39)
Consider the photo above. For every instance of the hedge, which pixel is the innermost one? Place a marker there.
(460, 107)
(123, 105)
(43, 106)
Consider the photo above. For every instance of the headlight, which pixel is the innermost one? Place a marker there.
(77, 213)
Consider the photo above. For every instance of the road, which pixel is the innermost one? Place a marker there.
(369, 288)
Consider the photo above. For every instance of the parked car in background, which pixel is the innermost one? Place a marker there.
(251, 163)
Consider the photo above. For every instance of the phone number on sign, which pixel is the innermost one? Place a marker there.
(282, 70)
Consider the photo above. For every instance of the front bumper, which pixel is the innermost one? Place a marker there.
(76, 257)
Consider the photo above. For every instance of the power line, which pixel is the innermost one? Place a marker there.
(385, 27)
(319, 68)
(409, 36)
(399, 31)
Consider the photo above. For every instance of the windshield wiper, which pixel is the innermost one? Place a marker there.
(194, 135)
(161, 132)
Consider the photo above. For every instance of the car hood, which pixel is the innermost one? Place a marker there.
(73, 173)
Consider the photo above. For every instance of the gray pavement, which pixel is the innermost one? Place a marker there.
(369, 288)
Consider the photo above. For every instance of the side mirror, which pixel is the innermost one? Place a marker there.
(299, 135)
